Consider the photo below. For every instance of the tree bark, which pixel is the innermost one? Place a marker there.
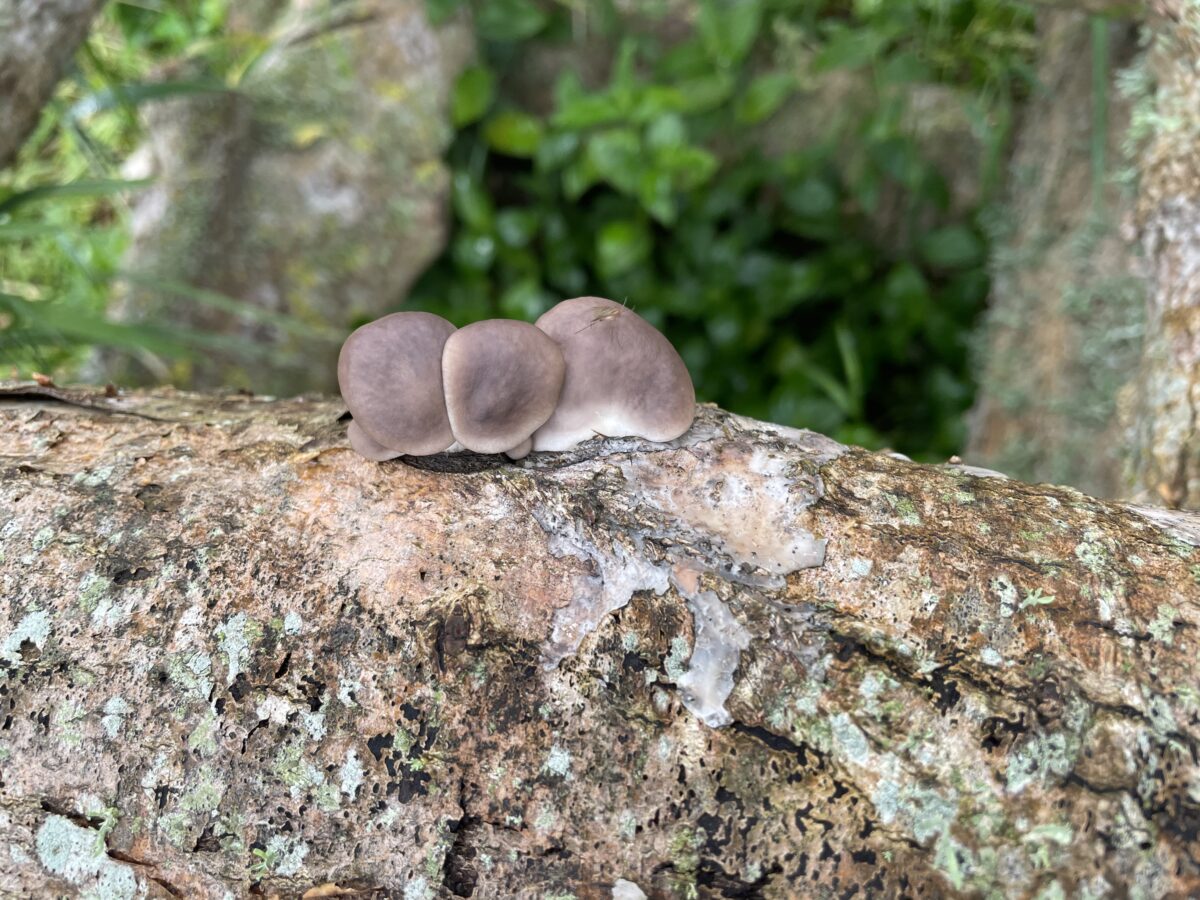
(238, 658)
(1063, 330)
(37, 40)
(1164, 399)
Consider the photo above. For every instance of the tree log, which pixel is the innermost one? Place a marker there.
(37, 39)
(238, 658)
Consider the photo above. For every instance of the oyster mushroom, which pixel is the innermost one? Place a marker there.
(390, 375)
(623, 377)
(502, 379)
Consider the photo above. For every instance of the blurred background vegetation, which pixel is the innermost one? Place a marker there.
(801, 194)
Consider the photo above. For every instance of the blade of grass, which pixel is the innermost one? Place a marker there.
(56, 320)
(129, 96)
(84, 188)
(215, 300)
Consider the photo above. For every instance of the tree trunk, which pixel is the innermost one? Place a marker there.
(37, 40)
(238, 658)
(1063, 331)
(1163, 402)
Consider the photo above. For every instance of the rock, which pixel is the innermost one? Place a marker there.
(315, 191)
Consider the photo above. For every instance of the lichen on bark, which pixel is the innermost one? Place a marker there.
(238, 657)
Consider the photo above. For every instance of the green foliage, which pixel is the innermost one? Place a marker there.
(650, 185)
(766, 272)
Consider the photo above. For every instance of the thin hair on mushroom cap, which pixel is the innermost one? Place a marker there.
(623, 377)
(502, 380)
(390, 375)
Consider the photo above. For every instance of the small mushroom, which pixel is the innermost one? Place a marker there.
(623, 377)
(390, 374)
(502, 380)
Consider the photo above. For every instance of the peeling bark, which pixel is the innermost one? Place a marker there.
(239, 658)
(37, 40)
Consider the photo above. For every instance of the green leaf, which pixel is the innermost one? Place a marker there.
(705, 93)
(516, 227)
(224, 303)
(690, 167)
(621, 245)
(471, 202)
(555, 150)
(578, 178)
(656, 101)
(852, 366)
(728, 29)
(952, 247)
(508, 20)
(441, 10)
(473, 95)
(812, 198)
(81, 188)
(616, 157)
(657, 196)
(524, 300)
(851, 48)
(513, 133)
(667, 131)
(473, 251)
(23, 231)
(586, 111)
(764, 96)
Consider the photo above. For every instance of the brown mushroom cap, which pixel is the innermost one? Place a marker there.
(502, 380)
(623, 377)
(390, 374)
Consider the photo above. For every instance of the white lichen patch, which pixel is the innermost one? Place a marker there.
(346, 690)
(351, 774)
(286, 855)
(91, 590)
(1162, 628)
(295, 771)
(991, 657)
(673, 665)
(627, 890)
(313, 723)
(73, 853)
(193, 673)
(274, 709)
(115, 711)
(860, 567)
(720, 638)
(234, 637)
(34, 628)
(293, 623)
(558, 762)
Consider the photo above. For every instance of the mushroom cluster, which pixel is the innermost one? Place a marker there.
(416, 385)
